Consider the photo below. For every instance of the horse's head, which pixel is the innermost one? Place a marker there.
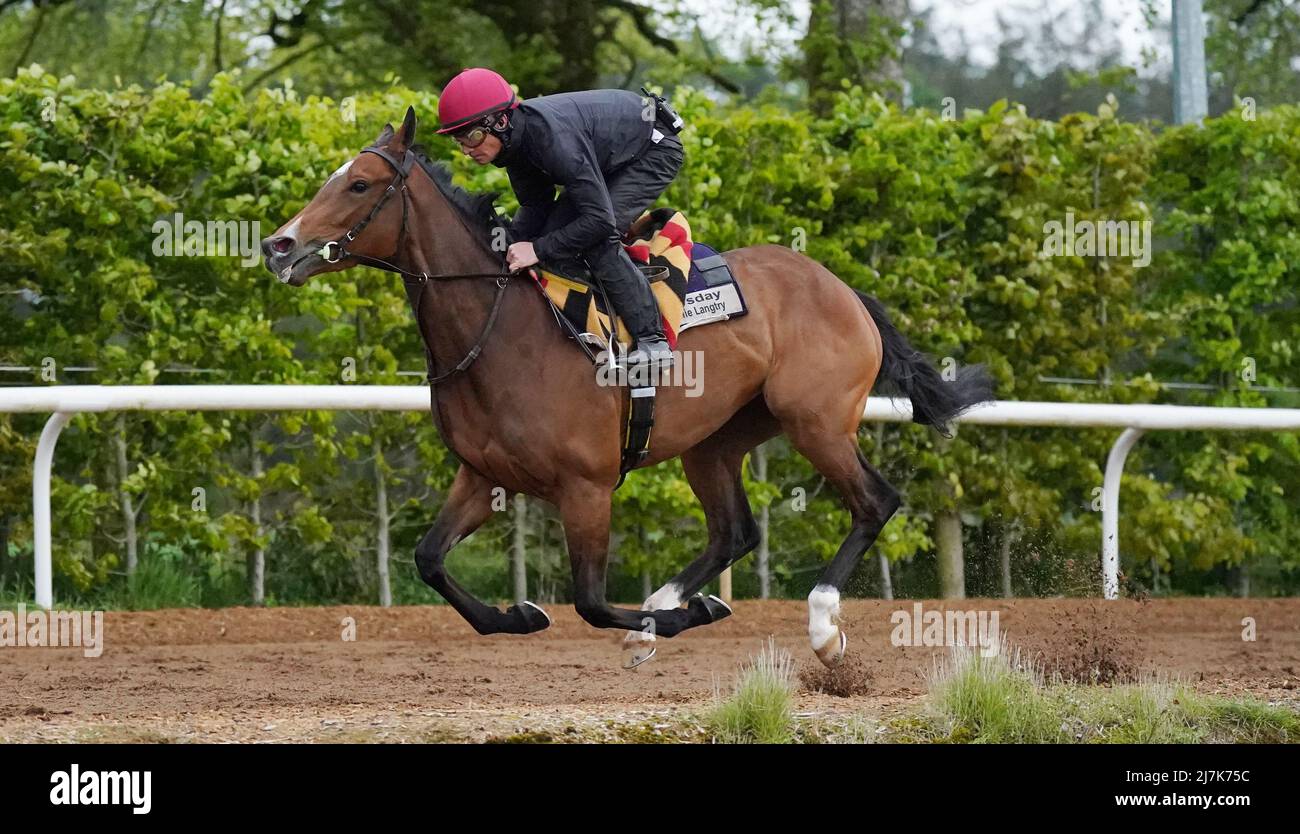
(312, 241)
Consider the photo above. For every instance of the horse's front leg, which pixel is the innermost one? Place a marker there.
(469, 504)
(585, 510)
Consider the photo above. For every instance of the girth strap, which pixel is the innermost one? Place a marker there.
(640, 422)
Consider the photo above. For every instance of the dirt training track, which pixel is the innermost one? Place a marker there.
(421, 674)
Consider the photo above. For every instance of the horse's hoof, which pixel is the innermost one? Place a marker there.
(533, 617)
(710, 608)
(831, 653)
(637, 654)
(638, 647)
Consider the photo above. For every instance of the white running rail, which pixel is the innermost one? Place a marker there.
(63, 402)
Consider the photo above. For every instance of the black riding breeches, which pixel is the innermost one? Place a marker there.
(632, 190)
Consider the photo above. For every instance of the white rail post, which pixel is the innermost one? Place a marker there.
(1110, 511)
(1188, 29)
(41, 506)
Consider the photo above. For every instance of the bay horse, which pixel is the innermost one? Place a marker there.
(519, 404)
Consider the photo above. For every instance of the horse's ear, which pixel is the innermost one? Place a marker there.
(408, 128)
(385, 136)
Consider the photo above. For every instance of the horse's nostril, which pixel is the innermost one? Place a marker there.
(273, 246)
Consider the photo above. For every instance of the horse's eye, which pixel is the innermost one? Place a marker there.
(360, 186)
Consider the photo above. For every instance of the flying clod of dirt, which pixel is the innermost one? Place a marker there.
(850, 679)
(1094, 645)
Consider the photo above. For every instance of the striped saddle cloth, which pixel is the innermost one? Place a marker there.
(694, 287)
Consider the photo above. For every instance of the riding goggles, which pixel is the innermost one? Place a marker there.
(473, 137)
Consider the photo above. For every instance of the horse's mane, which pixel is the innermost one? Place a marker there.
(479, 209)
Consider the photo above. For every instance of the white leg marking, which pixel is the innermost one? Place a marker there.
(664, 599)
(823, 611)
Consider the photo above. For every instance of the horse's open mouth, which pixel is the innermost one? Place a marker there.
(292, 275)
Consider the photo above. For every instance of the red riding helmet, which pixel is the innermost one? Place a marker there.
(470, 96)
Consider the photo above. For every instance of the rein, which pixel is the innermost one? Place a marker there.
(400, 172)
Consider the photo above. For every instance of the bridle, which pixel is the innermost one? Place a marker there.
(402, 170)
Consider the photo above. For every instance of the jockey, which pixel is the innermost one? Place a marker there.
(613, 154)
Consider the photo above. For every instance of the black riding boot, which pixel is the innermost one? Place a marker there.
(629, 292)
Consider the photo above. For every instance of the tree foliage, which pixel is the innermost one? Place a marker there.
(942, 218)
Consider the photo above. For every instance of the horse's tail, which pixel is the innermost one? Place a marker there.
(935, 400)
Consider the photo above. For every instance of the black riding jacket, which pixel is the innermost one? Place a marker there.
(572, 140)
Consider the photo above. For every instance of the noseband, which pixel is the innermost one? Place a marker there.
(401, 170)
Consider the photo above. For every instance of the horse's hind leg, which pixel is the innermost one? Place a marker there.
(713, 469)
(818, 395)
(871, 501)
(469, 504)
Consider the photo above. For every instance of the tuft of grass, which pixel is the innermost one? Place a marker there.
(1001, 700)
(1149, 712)
(760, 708)
(15, 590)
(993, 699)
(1248, 722)
(158, 582)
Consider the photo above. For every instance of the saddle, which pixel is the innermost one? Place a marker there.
(691, 283)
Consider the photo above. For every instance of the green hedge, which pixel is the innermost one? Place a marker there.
(942, 219)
